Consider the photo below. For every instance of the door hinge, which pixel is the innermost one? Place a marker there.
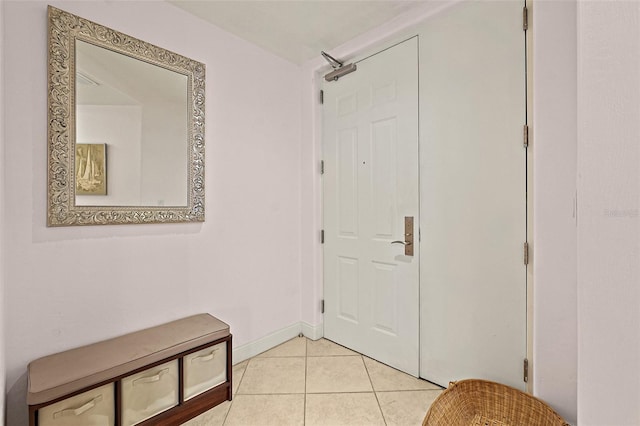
(322, 306)
(322, 97)
(322, 236)
(526, 370)
(525, 136)
(321, 167)
(526, 253)
(525, 19)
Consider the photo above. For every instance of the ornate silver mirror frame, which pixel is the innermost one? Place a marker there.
(64, 30)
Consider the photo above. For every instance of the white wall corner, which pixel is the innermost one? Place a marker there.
(270, 341)
(256, 347)
(311, 195)
(313, 332)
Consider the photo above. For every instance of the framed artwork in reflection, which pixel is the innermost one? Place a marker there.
(91, 169)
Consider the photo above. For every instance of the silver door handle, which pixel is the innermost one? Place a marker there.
(404, 243)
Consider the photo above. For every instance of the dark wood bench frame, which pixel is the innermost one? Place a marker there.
(177, 415)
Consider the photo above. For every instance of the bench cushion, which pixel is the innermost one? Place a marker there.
(60, 374)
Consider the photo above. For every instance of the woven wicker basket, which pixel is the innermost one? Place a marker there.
(484, 403)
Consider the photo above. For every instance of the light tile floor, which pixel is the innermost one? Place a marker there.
(313, 383)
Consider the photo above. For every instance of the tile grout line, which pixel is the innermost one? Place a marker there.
(375, 393)
(233, 397)
(229, 410)
(306, 357)
(309, 356)
(306, 345)
(272, 394)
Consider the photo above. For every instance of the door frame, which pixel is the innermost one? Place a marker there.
(529, 170)
(312, 325)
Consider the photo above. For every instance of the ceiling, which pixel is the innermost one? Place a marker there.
(297, 30)
(106, 77)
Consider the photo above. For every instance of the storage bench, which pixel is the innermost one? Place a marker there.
(163, 375)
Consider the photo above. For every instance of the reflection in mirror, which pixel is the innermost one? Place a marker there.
(138, 110)
(126, 128)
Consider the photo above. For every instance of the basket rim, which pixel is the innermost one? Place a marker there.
(454, 384)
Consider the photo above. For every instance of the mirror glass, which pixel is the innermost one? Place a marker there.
(137, 113)
(126, 128)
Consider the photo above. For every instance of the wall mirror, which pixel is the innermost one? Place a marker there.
(126, 128)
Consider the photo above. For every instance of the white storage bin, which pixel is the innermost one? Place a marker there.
(149, 392)
(204, 370)
(92, 408)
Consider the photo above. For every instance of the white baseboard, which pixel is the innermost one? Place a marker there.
(313, 332)
(251, 349)
(265, 343)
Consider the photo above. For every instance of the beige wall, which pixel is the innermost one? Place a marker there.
(554, 142)
(586, 279)
(75, 285)
(608, 213)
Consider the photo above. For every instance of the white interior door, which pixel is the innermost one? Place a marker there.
(473, 194)
(370, 183)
